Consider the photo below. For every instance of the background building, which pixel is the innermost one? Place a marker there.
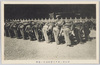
(22, 11)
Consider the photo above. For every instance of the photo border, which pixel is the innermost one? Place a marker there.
(56, 61)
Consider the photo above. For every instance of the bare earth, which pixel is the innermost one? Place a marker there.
(19, 49)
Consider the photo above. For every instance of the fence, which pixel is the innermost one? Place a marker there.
(54, 20)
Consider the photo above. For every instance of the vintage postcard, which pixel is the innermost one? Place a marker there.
(45, 32)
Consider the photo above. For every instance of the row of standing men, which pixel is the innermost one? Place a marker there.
(59, 31)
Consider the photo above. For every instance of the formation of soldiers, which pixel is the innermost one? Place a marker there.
(60, 31)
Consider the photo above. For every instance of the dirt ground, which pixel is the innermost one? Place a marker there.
(19, 49)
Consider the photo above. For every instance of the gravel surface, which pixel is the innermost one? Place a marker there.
(19, 49)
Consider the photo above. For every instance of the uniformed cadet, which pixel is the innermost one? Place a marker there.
(38, 31)
(50, 31)
(78, 31)
(15, 25)
(11, 31)
(66, 30)
(17, 29)
(56, 31)
(45, 31)
(29, 30)
(33, 30)
(87, 30)
(23, 32)
(6, 28)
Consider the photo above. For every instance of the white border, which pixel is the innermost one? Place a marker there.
(49, 2)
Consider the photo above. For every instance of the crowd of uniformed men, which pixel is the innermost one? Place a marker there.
(59, 31)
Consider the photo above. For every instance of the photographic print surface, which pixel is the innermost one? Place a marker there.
(50, 32)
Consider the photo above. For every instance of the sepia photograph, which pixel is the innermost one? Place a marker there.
(50, 32)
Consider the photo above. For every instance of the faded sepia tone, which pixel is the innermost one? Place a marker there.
(65, 44)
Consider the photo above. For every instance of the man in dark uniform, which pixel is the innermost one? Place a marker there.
(14, 28)
(78, 28)
(23, 32)
(17, 30)
(35, 27)
(33, 30)
(11, 32)
(6, 27)
(86, 29)
(40, 32)
(30, 30)
(50, 31)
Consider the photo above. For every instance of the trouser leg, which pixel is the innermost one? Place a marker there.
(42, 35)
(11, 33)
(22, 33)
(86, 36)
(15, 32)
(19, 34)
(36, 34)
(45, 35)
(30, 36)
(66, 36)
(6, 33)
(76, 32)
(80, 36)
(56, 37)
(49, 35)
